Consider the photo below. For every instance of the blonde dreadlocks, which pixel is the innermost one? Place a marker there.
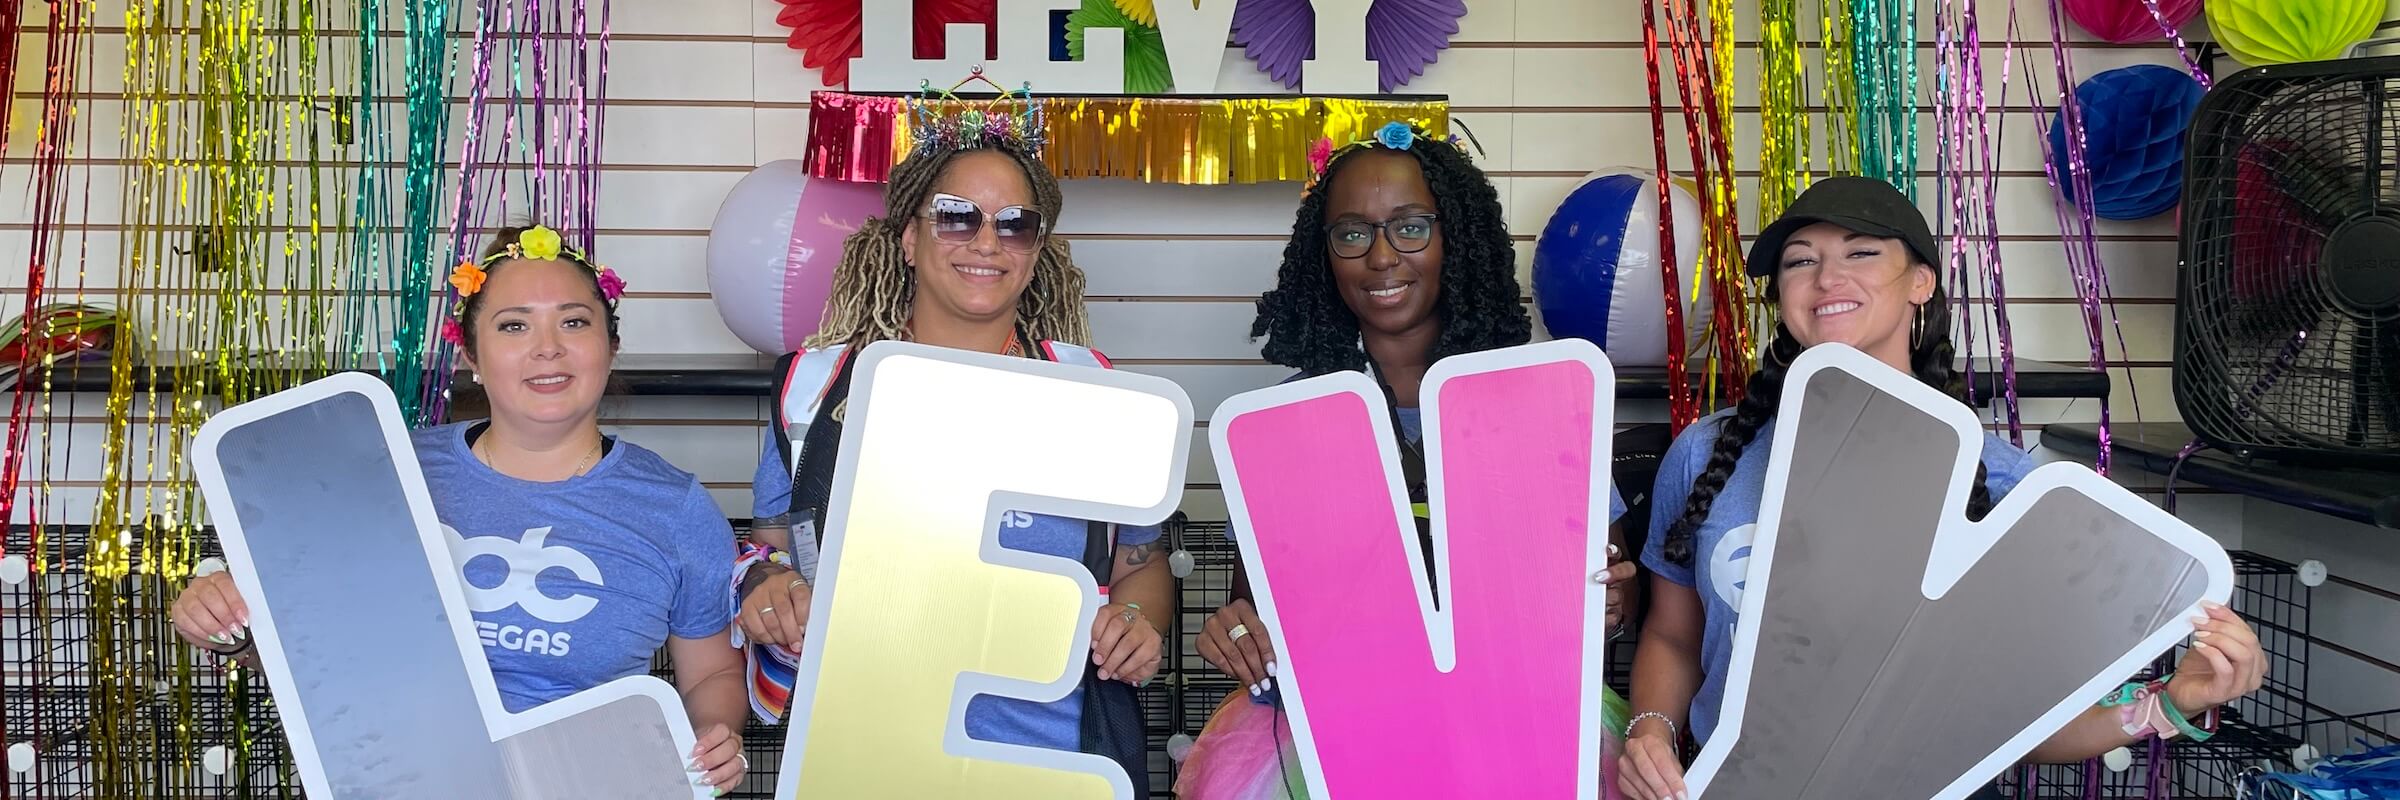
(871, 286)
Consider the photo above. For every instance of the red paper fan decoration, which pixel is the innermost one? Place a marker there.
(827, 32)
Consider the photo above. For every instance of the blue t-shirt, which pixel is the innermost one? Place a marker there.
(1056, 725)
(579, 582)
(1721, 548)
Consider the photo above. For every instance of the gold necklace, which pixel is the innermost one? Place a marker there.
(484, 454)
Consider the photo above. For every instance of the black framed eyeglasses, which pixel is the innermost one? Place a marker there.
(1407, 234)
(956, 220)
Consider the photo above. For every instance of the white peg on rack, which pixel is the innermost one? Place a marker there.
(2312, 573)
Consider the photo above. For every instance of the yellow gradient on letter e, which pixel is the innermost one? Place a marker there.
(923, 607)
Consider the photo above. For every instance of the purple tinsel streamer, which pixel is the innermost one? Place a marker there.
(1988, 199)
(437, 385)
(1963, 118)
(2198, 73)
(2082, 250)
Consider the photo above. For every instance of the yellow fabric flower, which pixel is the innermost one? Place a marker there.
(467, 279)
(540, 243)
(1141, 11)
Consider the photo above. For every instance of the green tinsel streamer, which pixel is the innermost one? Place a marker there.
(1883, 55)
(427, 79)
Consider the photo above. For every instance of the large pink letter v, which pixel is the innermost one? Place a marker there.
(1498, 692)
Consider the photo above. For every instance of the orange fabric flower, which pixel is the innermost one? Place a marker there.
(467, 278)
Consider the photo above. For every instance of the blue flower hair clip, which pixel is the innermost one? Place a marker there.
(1394, 135)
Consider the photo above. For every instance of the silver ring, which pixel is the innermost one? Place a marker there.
(795, 584)
(745, 761)
(1239, 630)
(766, 609)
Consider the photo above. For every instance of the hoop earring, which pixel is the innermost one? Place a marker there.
(1916, 328)
(1772, 356)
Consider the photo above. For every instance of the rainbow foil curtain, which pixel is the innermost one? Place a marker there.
(252, 202)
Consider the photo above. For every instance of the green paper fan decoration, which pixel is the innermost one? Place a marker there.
(1145, 50)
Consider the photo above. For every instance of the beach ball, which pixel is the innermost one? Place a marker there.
(1596, 268)
(2129, 21)
(772, 249)
(2262, 32)
(2134, 119)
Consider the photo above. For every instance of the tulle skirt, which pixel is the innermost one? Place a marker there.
(1246, 753)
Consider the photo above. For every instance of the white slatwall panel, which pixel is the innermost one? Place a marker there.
(705, 89)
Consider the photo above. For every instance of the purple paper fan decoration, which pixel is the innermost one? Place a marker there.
(1403, 36)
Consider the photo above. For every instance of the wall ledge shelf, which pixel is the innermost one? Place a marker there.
(2359, 495)
(753, 376)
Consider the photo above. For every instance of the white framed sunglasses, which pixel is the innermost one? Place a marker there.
(957, 220)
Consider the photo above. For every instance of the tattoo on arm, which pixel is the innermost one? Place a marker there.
(1135, 555)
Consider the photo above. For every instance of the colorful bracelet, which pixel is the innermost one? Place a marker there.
(2175, 717)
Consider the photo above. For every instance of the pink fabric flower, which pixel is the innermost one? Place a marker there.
(611, 286)
(452, 333)
(1320, 154)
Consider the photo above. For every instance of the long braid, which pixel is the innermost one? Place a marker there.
(1759, 404)
(1932, 357)
(872, 285)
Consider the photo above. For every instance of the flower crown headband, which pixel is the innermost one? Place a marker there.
(538, 243)
(1394, 135)
(937, 122)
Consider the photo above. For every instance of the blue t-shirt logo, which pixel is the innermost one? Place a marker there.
(1729, 565)
(525, 560)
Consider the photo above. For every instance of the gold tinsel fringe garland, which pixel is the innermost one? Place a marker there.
(858, 137)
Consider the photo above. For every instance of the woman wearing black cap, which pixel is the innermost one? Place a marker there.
(1852, 261)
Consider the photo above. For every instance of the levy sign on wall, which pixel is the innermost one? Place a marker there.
(1194, 37)
(363, 628)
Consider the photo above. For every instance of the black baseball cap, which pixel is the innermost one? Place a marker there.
(1865, 205)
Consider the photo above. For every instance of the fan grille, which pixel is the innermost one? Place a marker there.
(2287, 333)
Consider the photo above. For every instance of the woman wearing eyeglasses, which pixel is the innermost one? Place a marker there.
(1399, 257)
(963, 258)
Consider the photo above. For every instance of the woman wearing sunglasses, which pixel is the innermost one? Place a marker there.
(1399, 257)
(963, 258)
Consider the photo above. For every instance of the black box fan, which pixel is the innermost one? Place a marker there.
(2287, 311)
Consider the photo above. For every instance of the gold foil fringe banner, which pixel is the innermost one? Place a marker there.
(858, 137)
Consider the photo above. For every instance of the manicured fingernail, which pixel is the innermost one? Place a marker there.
(1269, 683)
(2199, 620)
(1104, 675)
(220, 639)
(720, 792)
(2212, 605)
(2200, 635)
(1271, 668)
(1255, 691)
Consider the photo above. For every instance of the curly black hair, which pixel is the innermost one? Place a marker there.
(1930, 356)
(1309, 328)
